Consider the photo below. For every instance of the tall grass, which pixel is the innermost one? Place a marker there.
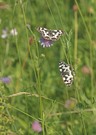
(36, 91)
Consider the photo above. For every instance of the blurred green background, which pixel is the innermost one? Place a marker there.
(35, 90)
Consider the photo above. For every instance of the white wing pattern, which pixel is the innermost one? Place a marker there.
(67, 73)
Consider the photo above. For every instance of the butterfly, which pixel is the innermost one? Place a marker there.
(67, 73)
(49, 36)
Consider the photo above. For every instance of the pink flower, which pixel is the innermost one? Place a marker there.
(86, 70)
(36, 126)
(70, 103)
(75, 8)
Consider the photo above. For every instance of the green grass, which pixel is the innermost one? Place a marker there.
(36, 91)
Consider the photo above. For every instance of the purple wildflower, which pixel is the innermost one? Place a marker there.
(5, 80)
(36, 126)
(45, 42)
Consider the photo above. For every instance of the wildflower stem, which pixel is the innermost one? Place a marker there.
(75, 49)
(23, 112)
(83, 124)
(91, 62)
(76, 38)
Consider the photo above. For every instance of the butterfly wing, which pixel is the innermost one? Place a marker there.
(66, 73)
(52, 35)
(43, 31)
(55, 34)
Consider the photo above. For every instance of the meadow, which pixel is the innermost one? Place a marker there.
(34, 98)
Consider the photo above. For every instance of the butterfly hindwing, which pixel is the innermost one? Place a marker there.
(66, 72)
(52, 35)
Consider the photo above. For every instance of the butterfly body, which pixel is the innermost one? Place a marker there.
(66, 73)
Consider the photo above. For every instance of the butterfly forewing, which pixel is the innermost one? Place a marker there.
(66, 73)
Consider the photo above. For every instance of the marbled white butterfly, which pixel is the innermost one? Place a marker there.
(67, 73)
(52, 35)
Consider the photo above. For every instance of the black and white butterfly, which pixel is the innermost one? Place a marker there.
(49, 36)
(67, 73)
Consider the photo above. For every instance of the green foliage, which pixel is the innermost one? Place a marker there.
(36, 91)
